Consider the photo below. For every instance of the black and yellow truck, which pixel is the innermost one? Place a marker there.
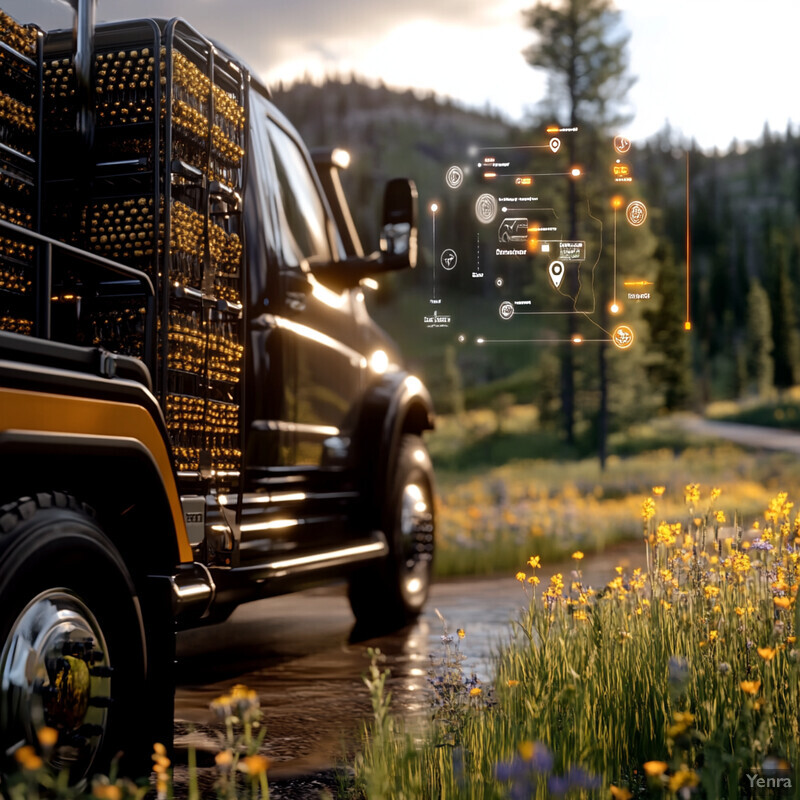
(196, 409)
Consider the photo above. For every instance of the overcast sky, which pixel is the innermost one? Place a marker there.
(715, 69)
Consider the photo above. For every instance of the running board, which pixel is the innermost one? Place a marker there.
(285, 564)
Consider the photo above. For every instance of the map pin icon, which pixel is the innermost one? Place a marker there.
(555, 144)
(556, 273)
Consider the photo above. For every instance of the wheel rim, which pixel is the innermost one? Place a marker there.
(55, 672)
(416, 532)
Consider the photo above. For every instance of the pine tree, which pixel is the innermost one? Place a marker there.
(582, 47)
(671, 374)
(760, 366)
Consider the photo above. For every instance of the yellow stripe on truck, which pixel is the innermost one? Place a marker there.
(55, 413)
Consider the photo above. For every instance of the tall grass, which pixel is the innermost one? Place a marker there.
(674, 681)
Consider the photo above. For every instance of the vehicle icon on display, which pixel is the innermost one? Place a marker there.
(513, 229)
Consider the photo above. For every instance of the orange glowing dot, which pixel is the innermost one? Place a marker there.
(552, 129)
(489, 174)
(687, 326)
(533, 244)
(616, 202)
(614, 308)
(575, 172)
(577, 339)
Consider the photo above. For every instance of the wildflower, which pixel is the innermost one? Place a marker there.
(224, 759)
(26, 757)
(712, 635)
(739, 611)
(665, 534)
(461, 633)
(521, 577)
(655, 768)
(692, 494)
(106, 791)
(577, 555)
(782, 602)
(710, 591)
(648, 509)
(724, 668)
(683, 777)
(658, 490)
(767, 653)
(47, 736)
(533, 580)
(720, 516)
(254, 765)
(750, 687)
(715, 493)
(791, 639)
(511, 683)
(475, 691)
(740, 562)
(620, 793)
(540, 758)
(534, 562)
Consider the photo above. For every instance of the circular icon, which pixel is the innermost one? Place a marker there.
(486, 208)
(622, 144)
(622, 337)
(461, 338)
(636, 212)
(454, 177)
(448, 259)
(498, 282)
(506, 310)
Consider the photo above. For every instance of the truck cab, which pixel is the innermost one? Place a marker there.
(199, 409)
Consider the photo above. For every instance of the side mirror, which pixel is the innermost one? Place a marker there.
(399, 228)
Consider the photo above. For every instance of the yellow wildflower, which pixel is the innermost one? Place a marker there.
(712, 636)
(533, 580)
(461, 633)
(255, 764)
(620, 793)
(648, 509)
(782, 602)
(223, 759)
(739, 611)
(750, 687)
(711, 591)
(767, 653)
(475, 691)
(655, 768)
(26, 757)
(682, 778)
(692, 494)
(521, 577)
(106, 791)
(658, 490)
(534, 562)
(577, 555)
(47, 736)
(511, 683)
(720, 516)
(715, 493)
(791, 639)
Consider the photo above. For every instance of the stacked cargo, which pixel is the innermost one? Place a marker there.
(156, 185)
(20, 58)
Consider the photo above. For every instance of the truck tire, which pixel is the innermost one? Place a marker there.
(72, 643)
(391, 594)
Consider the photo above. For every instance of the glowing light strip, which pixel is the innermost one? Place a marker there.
(334, 555)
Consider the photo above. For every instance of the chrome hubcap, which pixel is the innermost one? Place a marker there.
(416, 529)
(55, 672)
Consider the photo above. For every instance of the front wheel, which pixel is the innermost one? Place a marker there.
(392, 593)
(72, 644)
